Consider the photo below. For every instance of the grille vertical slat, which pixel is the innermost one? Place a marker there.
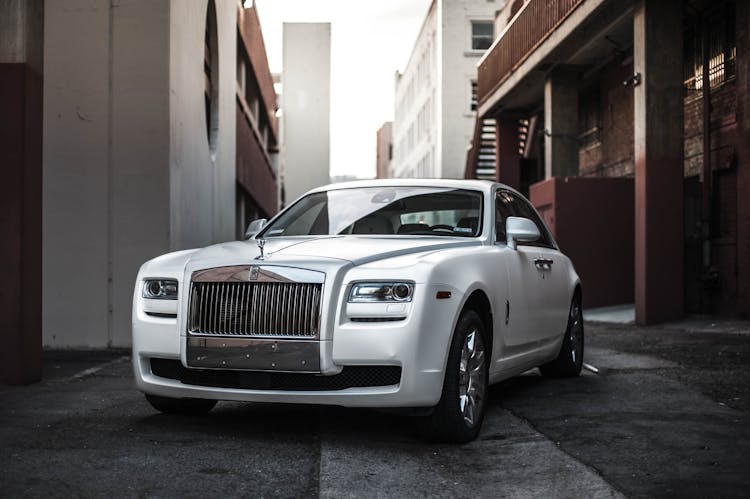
(246, 297)
(295, 310)
(254, 309)
(211, 301)
(303, 315)
(278, 299)
(233, 325)
(288, 307)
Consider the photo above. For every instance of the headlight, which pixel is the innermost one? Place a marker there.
(160, 289)
(381, 291)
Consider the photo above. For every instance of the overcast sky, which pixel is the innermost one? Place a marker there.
(370, 40)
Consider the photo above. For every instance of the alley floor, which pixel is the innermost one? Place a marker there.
(665, 416)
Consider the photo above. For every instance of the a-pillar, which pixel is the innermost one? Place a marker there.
(658, 125)
(21, 49)
(743, 157)
(561, 123)
(506, 143)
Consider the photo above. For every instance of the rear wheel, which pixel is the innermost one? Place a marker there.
(570, 359)
(188, 407)
(459, 414)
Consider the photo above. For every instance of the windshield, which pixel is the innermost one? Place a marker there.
(407, 211)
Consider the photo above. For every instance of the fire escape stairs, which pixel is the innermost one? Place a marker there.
(485, 167)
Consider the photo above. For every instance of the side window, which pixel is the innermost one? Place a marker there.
(507, 204)
(504, 208)
(524, 209)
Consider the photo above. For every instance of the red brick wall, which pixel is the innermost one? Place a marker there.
(613, 156)
(723, 128)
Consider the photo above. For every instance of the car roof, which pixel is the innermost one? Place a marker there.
(480, 185)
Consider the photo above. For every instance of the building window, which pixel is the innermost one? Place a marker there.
(481, 35)
(716, 29)
(473, 95)
(211, 77)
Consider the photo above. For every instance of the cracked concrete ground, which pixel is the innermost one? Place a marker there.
(667, 415)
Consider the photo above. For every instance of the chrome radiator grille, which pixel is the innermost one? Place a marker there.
(254, 309)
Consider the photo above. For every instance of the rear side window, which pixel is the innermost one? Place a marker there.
(509, 204)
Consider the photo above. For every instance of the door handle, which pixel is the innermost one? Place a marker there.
(543, 263)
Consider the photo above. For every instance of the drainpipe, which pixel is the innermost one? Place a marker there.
(710, 275)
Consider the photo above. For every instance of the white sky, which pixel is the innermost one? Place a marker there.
(370, 40)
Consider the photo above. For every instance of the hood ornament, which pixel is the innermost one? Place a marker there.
(261, 243)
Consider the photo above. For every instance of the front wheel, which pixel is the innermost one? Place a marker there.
(570, 359)
(459, 414)
(188, 407)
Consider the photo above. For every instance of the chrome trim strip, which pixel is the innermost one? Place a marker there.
(266, 273)
(253, 354)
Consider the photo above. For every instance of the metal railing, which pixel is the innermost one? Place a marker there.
(524, 33)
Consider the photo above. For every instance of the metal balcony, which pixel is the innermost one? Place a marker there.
(528, 29)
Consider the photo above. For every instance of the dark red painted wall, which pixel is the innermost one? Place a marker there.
(20, 223)
(252, 38)
(254, 171)
(593, 222)
(743, 158)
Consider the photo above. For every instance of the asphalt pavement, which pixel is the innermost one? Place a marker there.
(666, 415)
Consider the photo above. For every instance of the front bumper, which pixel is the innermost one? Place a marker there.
(417, 345)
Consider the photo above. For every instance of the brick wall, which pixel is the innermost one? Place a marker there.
(723, 128)
(613, 155)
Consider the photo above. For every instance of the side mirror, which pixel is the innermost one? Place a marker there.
(255, 227)
(518, 229)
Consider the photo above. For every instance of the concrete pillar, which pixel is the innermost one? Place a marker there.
(561, 123)
(506, 144)
(21, 49)
(658, 126)
(743, 157)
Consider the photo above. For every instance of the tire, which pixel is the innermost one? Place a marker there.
(187, 407)
(458, 416)
(570, 359)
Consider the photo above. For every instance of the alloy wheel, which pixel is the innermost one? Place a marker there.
(575, 331)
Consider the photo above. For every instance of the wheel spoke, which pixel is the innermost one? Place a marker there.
(477, 362)
(471, 377)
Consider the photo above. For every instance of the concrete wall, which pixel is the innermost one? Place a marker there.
(384, 150)
(415, 126)
(76, 174)
(306, 104)
(458, 69)
(127, 174)
(202, 187)
(446, 37)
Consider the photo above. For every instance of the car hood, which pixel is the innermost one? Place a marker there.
(358, 250)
